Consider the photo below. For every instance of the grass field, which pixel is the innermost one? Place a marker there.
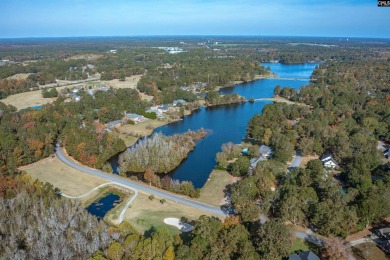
(144, 214)
(141, 129)
(299, 245)
(213, 191)
(70, 181)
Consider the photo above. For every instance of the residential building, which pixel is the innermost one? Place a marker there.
(306, 255)
(386, 153)
(163, 108)
(384, 232)
(327, 160)
(265, 151)
(113, 124)
(135, 117)
(158, 112)
(179, 101)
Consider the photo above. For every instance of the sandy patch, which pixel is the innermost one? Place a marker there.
(19, 76)
(130, 82)
(184, 227)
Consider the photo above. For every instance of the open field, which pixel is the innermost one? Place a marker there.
(144, 214)
(130, 82)
(143, 128)
(213, 191)
(368, 251)
(299, 245)
(27, 99)
(19, 76)
(70, 181)
(34, 98)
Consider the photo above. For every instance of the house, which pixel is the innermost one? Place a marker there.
(254, 161)
(306, 255)
(179, 101)
(75, 97)
(384, 233)
(102, 87)
(157, 111)
(386, 153)
(385, 246)
(113, 124)
(135, 118)
(163, 108)
(265, 151)
(184, 88)
(327, 160)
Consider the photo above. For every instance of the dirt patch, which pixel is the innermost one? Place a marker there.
(306, 159)
(368, 251)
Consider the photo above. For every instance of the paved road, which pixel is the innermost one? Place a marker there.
(296, 162)
(122, 215)
(147, 189)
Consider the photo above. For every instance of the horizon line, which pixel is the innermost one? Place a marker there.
(193, 35)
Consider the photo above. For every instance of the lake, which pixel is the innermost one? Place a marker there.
(228, 123)
(100, 207)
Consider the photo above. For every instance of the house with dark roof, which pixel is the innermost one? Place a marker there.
(384, 232)
(386, 153)
(306, 255)
(327, 160)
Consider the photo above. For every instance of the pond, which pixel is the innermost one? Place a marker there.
(100, 207)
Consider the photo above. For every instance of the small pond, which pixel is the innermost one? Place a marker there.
(100, 207)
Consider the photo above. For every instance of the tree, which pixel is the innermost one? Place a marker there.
(241, 166)
(277, 90)
(115, 251)
(273, 240)
(169, 254)
(334, 249)
(149, 175)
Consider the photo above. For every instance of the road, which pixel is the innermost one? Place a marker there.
(296, 162)
(140, 187)
(122, 215)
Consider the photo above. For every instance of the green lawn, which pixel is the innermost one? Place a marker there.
(299, 245)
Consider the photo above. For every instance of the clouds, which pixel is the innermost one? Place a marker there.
(23, 18)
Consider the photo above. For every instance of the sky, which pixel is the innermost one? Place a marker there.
(65, 18)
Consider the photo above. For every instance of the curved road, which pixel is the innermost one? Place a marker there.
(133, 185)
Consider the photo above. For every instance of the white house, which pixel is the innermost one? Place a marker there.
(179, 101)
(386, 153)
(327, 160)
(158, 112)
(135, 117)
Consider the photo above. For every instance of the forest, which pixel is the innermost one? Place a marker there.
(160, 153)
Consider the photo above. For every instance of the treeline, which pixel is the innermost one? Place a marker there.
(15, 86)
(167, 183)
(160, 153)
(213, 98)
